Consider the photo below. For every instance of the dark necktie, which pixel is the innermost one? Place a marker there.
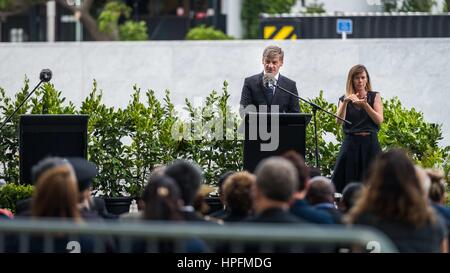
(269, 93)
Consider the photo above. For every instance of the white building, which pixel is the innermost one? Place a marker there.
(357, 5)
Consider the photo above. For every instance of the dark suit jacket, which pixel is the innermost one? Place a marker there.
(253, 94)
(276, 215)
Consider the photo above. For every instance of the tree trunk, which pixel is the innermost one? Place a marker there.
(91, 25)
(86, 18)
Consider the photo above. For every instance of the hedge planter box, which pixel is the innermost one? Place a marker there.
(118, 205)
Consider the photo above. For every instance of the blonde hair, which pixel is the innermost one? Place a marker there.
(354, 71)
(237, 191)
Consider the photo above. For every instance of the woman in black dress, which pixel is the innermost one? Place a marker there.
(364, 109)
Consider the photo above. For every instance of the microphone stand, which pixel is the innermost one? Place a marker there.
(17, 109)
(44, 76)
(315, 107)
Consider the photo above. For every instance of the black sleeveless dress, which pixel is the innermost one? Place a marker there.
(357, 151)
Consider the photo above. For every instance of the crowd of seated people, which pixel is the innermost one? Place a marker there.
(399, 199)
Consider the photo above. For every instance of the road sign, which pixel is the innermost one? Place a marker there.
(344, 26)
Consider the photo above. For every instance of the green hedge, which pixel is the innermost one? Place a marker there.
(206, 33)
(11, 193)
(127, 143)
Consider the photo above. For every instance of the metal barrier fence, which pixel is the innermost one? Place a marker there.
(26, 235)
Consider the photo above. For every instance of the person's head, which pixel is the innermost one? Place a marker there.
(272, 59)
(158, 170)
(349, 195)
(56, 192)
(276, 181)
(437, 192)
(46, 164)
(200, 204)
(302, 171)
(162, 199)
(424, 180)
(393, 191)
(321, 190)
(188, 177)
(85, 171)
(237, 192)
(358, 78)
(314, 171)
(221, 181)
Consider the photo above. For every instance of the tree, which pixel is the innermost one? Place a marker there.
(390, 5)
(85, 15)
(109, 18)
(251, 9)
(315, 7)
(418, 5)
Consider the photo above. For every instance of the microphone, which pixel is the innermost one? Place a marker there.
(44, 76)
(269, 81)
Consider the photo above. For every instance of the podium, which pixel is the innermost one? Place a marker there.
(291, 128)
(41, 136)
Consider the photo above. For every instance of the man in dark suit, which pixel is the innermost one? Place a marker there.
(258, 90)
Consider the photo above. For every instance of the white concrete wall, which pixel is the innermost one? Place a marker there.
(415, 70)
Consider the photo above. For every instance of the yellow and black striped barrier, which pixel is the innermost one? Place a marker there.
(279, 30)
(279, 33)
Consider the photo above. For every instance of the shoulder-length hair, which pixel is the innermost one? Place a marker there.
(354, 71)
(393, 192)
(56, 194)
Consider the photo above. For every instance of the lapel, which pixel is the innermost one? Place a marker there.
(262, 88)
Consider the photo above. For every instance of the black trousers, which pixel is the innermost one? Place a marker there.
(356, 154)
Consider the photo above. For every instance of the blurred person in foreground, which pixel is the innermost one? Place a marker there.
(395, 202)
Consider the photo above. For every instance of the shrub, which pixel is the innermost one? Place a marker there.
(127, 143)
(315, 7)
(11, 193)
(206, 33)
(110, 17)
(133, 31)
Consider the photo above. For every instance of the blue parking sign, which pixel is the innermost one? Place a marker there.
(344, 26)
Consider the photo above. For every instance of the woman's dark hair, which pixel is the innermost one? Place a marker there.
(162, 199)
(350, 194)
(188, 176)
(394, 192)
